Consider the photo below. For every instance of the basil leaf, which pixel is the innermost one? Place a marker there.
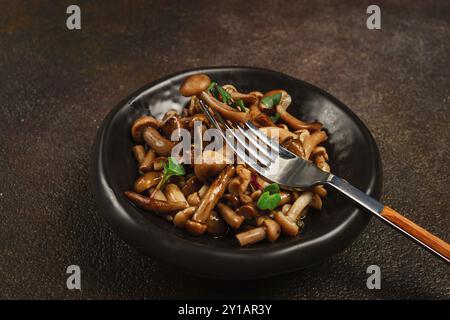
(271, 101)
(275, 118)
(272, 188)
(267, 201)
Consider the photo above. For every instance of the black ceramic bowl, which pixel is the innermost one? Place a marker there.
(353, 156)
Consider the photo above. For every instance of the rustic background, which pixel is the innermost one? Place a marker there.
(58, 85)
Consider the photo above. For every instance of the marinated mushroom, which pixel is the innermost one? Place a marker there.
(139, 153)
(230, 216)
(213, 195)
(215, 225)
(157, 142)
(147, 180)
(212, 163)
(152, 204)
(141, 124)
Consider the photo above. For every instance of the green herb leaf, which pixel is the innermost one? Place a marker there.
(172, 168)
(267, 201)
(211, 85)
(239, 104)
(226, 97)
(275, 118)
(272, 188)
(271, 101)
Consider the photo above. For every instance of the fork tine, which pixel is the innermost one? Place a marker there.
(261, 147)
(277, 147)
(265, 161)
(249, 160)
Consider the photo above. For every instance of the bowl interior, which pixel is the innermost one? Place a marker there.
(352, 151)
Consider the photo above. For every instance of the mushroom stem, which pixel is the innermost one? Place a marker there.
(230, 216)
(155, 205)
(251, 236)
(312, 141)
(139, 153)
(225, 110)
(295, 123)
(213, 195)
(299, 204)
(147, 163)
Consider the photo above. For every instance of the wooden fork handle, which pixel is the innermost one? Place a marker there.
(421, 236)
(417, 231)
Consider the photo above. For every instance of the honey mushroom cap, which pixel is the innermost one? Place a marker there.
(195, 84)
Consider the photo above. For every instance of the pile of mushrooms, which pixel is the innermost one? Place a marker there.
(215, 197)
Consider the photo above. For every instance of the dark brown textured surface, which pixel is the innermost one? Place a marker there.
(57, 85)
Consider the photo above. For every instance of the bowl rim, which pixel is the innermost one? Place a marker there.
(191, 255)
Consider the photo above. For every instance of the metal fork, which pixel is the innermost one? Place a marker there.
(279, 165)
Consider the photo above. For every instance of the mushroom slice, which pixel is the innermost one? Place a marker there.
(213, 195)
(212, 163)
(230, 216)
(157, 142)
(251, 236)
(140, 124)
(150, 204)
(147, 180)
